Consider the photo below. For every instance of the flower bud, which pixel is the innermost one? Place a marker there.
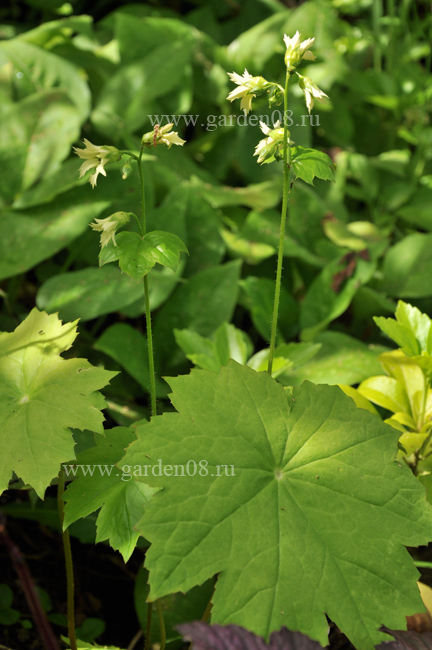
(296, 51)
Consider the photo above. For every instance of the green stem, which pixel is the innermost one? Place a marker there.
(161, 625)
(69, 564)
(146, 297)
(148, 628)
(150, 347)
(286, 191)
(376, 18)
(424, 565)
(143, 204)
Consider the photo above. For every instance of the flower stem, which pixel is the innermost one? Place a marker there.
(286, 191)
(146, 296)
(69, 564)
(150, 347)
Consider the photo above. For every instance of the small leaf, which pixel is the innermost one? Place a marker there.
(42, 396)
(120, 499)
(310, 163)
(226, 343)
(8, 616)
(137, 255)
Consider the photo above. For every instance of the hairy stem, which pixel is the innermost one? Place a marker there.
(68, 562)
(146, 297)
(286, 191)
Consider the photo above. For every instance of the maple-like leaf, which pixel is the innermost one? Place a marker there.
(41, 397)
(313, 520)
(120, 499)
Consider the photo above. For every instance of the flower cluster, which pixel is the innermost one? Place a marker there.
(271, 147)
(96, 158)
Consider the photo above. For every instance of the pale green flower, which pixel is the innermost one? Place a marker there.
(270, 148)
(311, 91)
(296, 50)
(248, 87)
(170, 138)
(96, 158)
(109, 226)
(162, 135)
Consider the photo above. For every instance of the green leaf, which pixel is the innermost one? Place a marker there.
(128, 347)
(88, 293)
(37, 69)
(386, 392)
(137, 255)
(341, 359)
(264, 226)
(120, 499)
(286, 357)
(411, 330)
(356, 235)
(42, 396)
(176, 608)
(84, 645)
(52, 226)
(126, 99)
(8, 616)
(226, 343)
(331, 293)
(259, 299)
(46, 513)
(310, 163)
(147, 34)
(299, 469)
(408, 267)
(203, 303)
(36, 134)
(188, 215)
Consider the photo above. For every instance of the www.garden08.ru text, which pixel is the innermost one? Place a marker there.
(191, 468)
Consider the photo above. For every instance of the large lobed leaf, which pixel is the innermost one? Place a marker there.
(313, 521)
(41, 397)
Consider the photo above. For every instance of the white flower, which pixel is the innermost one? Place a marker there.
(170, 138)
(109, 226)
(95, 158)
(311, 91)
(296, 50)
(248, 86)
(269, 148)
